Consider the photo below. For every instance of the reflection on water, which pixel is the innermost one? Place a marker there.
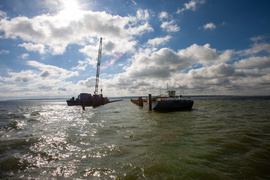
(219, 139)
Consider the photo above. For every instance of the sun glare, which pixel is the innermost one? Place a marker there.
(71, 9)
(71, 5)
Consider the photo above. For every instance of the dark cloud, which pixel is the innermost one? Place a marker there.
(45, 74)
(22, 79)
(46, 88)
(62, 89)
(109, 46)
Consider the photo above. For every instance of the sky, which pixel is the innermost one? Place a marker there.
(49, 48)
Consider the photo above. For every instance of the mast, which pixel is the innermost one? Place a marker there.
(98, 65)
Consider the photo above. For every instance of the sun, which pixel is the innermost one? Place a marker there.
(71, 5)
(71, 9)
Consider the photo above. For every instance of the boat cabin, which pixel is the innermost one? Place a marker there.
(171, 93)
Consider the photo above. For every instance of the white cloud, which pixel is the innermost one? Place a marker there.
(3, 51)
(212, 72)
(148, 70)
(151, 69)
(226, 56)
(253, 62)
(56, 32)
(89, 82)
(161, 64)
(24, 56)
(256, 48)
(141, 29)
(143, 15)
(33, 47)
(167, 24)
(90, 51)
(159, 41)
(24, 76)
(46, 80)
(163, 15)
(52, 71)
(191, 5)
(170, 26)
(109, 47)
(134, 2)
(210, 26)
(83, 64)
(3, 14)
(203, 54)
(256, 39)
(222, 79)
(165, 62)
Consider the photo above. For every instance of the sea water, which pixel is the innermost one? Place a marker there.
(220, 138)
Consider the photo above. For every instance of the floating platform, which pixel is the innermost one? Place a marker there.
(164, 103)
(85, 99)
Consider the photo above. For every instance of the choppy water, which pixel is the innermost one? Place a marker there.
(221, 138)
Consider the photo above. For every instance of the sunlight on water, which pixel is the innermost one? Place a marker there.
(218, 139)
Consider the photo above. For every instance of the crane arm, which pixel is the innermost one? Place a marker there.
(98, 66)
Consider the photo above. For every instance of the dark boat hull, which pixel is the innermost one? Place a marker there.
(73, 103)
(172, 105)
(93, 102)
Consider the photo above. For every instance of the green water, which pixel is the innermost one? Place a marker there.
(220, 138)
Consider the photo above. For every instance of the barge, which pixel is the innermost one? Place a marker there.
(169, 102)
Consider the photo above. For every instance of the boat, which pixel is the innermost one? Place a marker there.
(169, 102)
(86, 99)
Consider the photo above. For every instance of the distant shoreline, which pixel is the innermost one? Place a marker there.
(198, 97)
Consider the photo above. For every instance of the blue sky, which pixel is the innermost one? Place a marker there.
(198, 47)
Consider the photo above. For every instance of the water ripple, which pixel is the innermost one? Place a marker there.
(218, 139)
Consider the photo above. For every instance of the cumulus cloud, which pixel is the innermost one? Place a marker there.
(24, 56)
(89, 82)
(151, 69)
(143, 15)
(141, 29)
(210, 26)
(45, 80)
(203, 54)
(163, 63)
(33, 47)
(62, 89)
(55, 32)
(147, 70)
(159, 41)
(2, 14)
(109, 47)
(167, 24)
(170, 26)
(52, 71)
(83, 64)
(163, 15)
(20, 77)
(226, 55)
(3, 51)
(45, 74)
(159, 64)
(253, 62)
(191, 5)
(259, 38)
(212, 72)
(90, 50)
(256, 48)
